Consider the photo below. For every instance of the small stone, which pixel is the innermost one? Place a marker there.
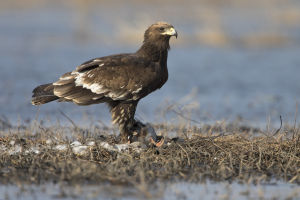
(138, 145)
(35, 150)
(48, 141)
(91, 143)
(107, 146)
(15, 150)
(80, 150)
(61, 147)
(121, 147)
(75, 143)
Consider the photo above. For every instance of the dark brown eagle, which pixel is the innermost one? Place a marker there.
(119, 80)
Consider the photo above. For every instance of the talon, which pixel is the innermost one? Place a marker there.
(129, 139)
(159, 143)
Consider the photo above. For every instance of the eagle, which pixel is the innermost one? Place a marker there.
(119, 80)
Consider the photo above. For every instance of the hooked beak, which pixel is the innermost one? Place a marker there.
(171, 32)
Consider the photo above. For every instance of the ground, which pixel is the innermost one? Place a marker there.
(38, 154)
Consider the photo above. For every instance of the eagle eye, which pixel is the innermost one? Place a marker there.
(161, 28)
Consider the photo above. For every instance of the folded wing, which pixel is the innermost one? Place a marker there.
(103, 80)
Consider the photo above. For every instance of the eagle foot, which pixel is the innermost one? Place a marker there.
(145, 133)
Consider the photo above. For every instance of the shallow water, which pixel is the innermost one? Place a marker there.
(182, 190)
(230, 61)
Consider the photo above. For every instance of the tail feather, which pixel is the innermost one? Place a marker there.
(43, 94)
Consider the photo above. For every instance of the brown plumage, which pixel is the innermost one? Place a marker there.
(119, 80)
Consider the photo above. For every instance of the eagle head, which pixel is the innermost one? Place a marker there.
(160, 31)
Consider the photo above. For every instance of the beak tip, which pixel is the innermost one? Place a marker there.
(175, 34)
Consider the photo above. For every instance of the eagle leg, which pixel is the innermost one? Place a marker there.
(132, 130)
(123, 114)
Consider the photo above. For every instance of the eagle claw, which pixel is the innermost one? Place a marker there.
(145, 133)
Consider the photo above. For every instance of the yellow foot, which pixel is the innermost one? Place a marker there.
(159, 141)
(145, 133)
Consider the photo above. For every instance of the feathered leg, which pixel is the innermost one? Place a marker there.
(123, 114)
(130, 129)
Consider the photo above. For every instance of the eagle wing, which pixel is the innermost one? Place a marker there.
(122, 77)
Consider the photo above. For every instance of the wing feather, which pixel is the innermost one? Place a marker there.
(118, 77)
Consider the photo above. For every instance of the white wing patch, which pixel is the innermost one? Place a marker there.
(90, 75)
(63, 80)
(137, 90)
(121, 94)
(66, 78)
(78, 78)
(95, 87)
(97, 60)
(98, 88)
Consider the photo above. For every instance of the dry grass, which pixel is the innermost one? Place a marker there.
(214, 152)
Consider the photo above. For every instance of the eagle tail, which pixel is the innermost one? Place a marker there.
(43, 94)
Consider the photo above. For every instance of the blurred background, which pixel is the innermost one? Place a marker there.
(233, 60)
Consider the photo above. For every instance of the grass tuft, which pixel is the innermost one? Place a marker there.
(217, 153)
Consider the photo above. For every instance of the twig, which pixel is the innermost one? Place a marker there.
(69, 119)
(185, 117)
(35, 122)
(277, 131)
(218, 146)
(295, 121)
(211, 138)
(187, 155)
(5, 122)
